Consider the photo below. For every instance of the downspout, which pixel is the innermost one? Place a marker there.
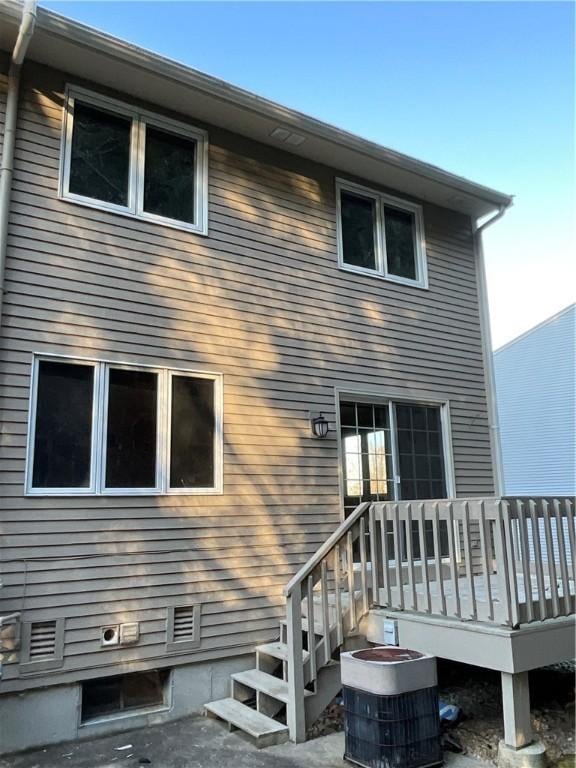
(493, 420)
(7, 165)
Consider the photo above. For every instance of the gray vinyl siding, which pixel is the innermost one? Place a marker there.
(536, 389)
(261, 301)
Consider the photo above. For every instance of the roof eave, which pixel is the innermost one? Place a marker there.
(76, 37)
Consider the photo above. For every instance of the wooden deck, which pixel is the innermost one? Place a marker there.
(500, 568)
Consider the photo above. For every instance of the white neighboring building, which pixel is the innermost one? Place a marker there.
(536, 385)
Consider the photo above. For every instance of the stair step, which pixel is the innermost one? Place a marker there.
(277, 650)
(267, 684)
(264, 730)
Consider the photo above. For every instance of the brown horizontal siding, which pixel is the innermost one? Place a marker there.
(261, 301)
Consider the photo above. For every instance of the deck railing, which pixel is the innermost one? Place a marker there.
(501, 560)
(504, 560)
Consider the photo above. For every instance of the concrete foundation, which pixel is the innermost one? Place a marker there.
(53, 715)
(531, 756)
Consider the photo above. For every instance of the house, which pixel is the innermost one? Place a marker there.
(535, 386)
(243, 355)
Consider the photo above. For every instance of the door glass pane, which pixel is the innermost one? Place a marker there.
(192, 433)
(358, 227)
(400, 252)
(63, 429)
(169, 175)
(367, 454)
(131, 429)
(420, 460)
(100, 154)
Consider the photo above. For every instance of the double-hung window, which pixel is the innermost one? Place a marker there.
(99, 427)
(133, 162)
(380, 235)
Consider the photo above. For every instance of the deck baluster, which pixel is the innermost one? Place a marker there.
(410, 559)
(468, 560)
(438, 558)
(311, 633)
(363, 567)
(525, 559)
(337, 596)
(325, 611)
(350, 566)
(398, 557)
(538, 561)
(553, 584)
(562, 556)
(385, 554)
(424, 555)
(453, 561)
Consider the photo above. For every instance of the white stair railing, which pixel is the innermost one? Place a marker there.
(325, 591)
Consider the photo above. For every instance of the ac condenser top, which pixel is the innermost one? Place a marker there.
(388, 670)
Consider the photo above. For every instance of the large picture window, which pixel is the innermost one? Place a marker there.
(99, 427)
(133, 162)
(380, 235)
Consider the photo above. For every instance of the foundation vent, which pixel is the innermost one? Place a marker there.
(183, 623)
(42, 640)
(42, 645)
(183, 629)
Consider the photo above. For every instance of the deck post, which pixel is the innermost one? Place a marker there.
(516, 705)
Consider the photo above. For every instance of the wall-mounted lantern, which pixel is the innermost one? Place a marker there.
(319, 424)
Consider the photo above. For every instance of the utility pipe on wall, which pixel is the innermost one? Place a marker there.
(7, 165)
(493, 420)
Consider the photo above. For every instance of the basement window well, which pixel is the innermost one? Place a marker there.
(124, 694)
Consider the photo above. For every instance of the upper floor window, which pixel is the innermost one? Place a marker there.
(133, 162)
(98, 427)
(380, 235)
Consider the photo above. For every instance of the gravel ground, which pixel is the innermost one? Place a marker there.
(477, 692)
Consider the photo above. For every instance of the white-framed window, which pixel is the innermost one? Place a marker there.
(99, 427)
(380, 235)
(133, 162)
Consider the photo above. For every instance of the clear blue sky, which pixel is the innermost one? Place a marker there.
(483, 89)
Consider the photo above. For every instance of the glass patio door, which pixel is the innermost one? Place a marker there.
(393, 451)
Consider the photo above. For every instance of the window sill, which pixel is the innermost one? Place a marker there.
(86, 202)
(125, 715)
(422, 285)
(128, 492)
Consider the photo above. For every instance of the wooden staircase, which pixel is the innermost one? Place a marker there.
(297, 676)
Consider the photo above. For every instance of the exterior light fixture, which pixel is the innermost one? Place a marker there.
(319, 425)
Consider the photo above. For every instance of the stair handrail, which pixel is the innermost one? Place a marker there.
(301, 588)
(326, 548)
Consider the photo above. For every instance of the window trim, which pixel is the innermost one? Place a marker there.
(98, 443)
(381, 200)
(140, 118)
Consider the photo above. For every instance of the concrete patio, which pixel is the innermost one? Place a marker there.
(193, 743)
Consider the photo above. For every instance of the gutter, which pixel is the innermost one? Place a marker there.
(493, 419)
(25, 32)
